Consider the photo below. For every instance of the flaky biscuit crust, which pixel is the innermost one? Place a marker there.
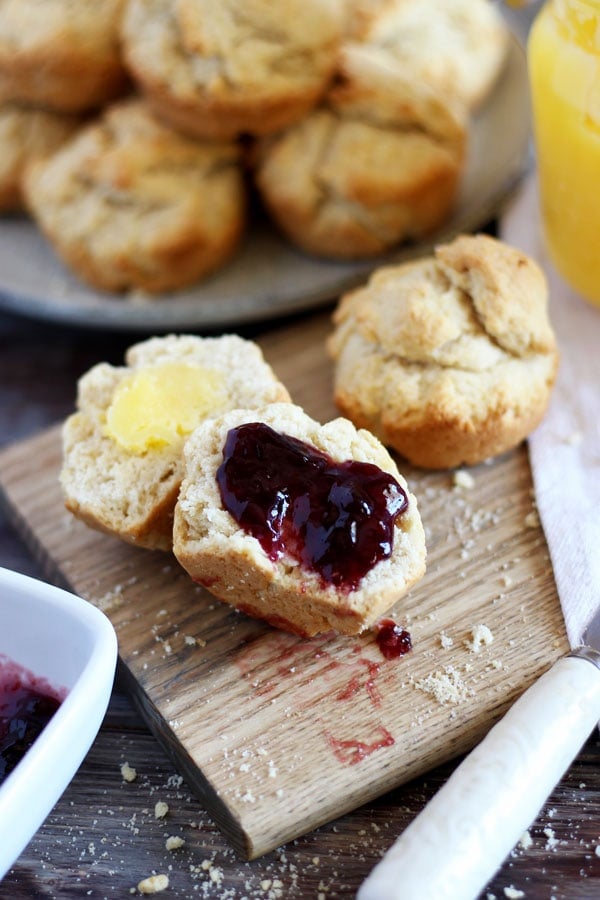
(27, 134)
(379, 163)
(457, 47)
(450, 359)
(131, 204)
(62, 54)
(220, 70)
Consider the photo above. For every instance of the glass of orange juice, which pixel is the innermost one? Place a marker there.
(564, 72)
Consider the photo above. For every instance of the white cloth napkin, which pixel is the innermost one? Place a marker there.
(565, 449)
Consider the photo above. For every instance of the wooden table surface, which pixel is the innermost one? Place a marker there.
(103, 837)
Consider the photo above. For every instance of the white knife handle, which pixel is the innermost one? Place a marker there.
(456, 844)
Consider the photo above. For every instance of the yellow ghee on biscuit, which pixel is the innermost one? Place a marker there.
(158, 405)
(564, 67)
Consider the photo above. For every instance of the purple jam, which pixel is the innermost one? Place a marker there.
(392, 639)
(335, 518)
(27, 704)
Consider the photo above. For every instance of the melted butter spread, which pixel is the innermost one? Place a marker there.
(158, 405)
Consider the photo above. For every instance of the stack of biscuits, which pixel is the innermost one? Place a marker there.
(132, 130)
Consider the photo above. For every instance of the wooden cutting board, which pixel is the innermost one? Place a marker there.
(277, 734)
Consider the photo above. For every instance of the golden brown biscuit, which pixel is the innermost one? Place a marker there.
(130, 203)
(27, 134)
(221, 69)
(450, 359)
(378, 164)
(457, 47)
(122, 449)
(359, 15)
(232, 563)
(61, 54)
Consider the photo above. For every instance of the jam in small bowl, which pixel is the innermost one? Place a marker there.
(57, 662)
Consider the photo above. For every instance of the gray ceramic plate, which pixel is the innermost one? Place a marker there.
(268, 278)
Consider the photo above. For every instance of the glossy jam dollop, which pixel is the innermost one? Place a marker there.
(27, 704)
(392, 639)
(334, 518)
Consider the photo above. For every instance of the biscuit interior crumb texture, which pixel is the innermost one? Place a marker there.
(449, 359)
(129, 494)
(219, 554)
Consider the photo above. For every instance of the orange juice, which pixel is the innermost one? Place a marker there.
(564, 71)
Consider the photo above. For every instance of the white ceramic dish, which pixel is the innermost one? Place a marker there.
(268, 277)
(71, 644)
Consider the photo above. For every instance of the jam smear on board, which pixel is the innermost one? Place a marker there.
(392, 639)
(27, 704)
(335, 518)
(354, 751)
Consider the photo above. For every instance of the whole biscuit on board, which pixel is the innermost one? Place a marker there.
(131, 204)
(449, 359)
(222, 69)
(61, 54)
(377, 163)
(232, 563)
(129, 489)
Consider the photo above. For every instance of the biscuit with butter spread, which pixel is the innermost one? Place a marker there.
(449, 359)
(122, 449)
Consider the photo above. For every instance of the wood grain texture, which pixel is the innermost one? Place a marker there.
(278, 735)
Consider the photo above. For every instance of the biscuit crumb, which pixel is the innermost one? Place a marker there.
(532, 520)
(463, 479)
(110, 601)
(526, 840)
(174, 843)
(513, 893)
(481, 636)
(446, 641)
(128, 773)
(154, 884)
(161, 809)
(446, 687)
